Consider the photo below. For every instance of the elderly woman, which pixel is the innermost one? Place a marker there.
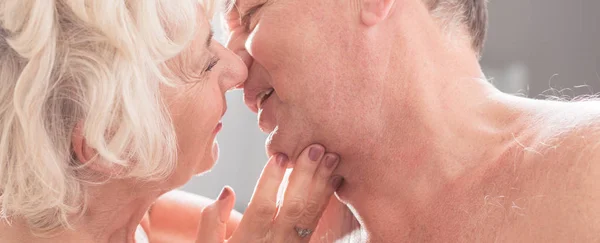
(107, 105)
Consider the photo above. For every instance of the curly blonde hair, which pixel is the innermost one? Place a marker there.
(97, 62)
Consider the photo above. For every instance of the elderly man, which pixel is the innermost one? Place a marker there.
(431, 152)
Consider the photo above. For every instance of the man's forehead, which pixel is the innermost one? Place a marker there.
(247, 3)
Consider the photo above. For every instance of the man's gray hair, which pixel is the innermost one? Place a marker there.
(471, 14)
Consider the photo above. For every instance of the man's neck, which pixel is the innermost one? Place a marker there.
(440, 138)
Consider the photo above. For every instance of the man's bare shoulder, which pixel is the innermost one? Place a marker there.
(556, 191)
(574, 134)
(584, 152)
(570, 142)
(569, 132)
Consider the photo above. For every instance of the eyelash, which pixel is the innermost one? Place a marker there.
(246, 23)
(212, 63)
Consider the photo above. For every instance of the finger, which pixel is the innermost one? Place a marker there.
(214, 217)
(259, 215)
(296, 197)
(298, 188)
(324, 185)
(315, 207)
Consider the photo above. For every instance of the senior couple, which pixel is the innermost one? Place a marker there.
(107, 106)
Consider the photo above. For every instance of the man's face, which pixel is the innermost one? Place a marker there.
(309, 53)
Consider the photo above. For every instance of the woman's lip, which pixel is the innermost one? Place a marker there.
(218, 127)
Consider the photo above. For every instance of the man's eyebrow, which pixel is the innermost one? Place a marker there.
(245, 16)
(210, 37)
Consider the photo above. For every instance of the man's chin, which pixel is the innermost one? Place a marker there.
(278, 142)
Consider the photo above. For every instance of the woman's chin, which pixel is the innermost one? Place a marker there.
(215, 151)
(210, 160)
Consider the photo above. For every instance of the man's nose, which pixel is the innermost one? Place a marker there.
(236, 44)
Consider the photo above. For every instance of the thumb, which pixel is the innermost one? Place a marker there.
(213, 222)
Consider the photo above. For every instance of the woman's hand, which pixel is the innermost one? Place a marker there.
(310, 187)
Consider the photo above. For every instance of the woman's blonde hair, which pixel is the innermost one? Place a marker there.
(99, 62)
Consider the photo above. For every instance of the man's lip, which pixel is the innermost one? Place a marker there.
(266, 118)
(262, 97)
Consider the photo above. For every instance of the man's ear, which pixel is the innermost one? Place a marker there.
(85, 154)
(374, 11)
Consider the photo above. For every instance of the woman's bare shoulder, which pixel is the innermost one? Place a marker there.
(176, 215)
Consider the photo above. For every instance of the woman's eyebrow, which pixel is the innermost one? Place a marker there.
(211, 33)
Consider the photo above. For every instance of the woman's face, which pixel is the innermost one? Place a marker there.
(198, 103)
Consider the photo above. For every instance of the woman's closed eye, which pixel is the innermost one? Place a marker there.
(212, 63)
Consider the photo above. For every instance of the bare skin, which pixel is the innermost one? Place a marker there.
(177, 215)
(183, 217)
(432, 152)
(117, 206)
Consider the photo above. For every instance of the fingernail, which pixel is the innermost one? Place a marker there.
(225, 193)
(282, 160)
(330, 161)
(315, 152)
(337, 181)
